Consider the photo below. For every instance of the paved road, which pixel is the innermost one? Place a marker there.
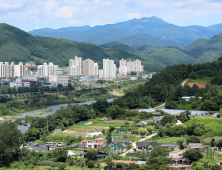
(134, 144)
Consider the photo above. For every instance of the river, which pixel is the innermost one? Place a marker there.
(54, 108)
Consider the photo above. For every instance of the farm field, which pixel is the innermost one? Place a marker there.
(166, 140)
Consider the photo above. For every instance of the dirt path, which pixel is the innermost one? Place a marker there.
(134, 144)
(179, 122)
(184, 82)
(89, 123)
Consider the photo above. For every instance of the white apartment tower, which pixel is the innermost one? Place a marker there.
(12, 70)
(109, 68)
(89, 68)
(75, 67)
(45, 70)
(134, 66)
(123, 67)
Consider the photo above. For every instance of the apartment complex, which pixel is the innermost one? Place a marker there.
(109, 68)
(75, 67)
(134, 66)
(123, 67)
(45, 70)
(89, 68)
(12, 70)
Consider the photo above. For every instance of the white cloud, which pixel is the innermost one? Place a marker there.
(93, 12)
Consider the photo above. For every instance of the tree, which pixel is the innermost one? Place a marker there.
(167, 119)
(10, 141)
(91, 154)
(193, 139)
(142, 131)
(212, 143)
(114, 111)
(109, 137)
(198, 131)
(159, 152)
(149, 129)
(109, 162)
(180, 142)
(61, 166)
(193, 155)
(219, 143)
(194, 89)
(157, 163)
(59, 154)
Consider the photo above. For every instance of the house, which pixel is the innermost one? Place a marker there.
(177, 156)
(194, 146)
(114, 149)
(171, 146)
(134, 131)
(149, 145)
(94, 143)
(94, 134)
(180, 166)
(142, 123)
(99, 155)
(122, 140)
(121, 131)
(41, 148)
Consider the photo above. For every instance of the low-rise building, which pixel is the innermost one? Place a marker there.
(122, 140)
(177, 156)
(145, 145)
(19, 84)
(94, 143)
(194, 146)
(172, 146)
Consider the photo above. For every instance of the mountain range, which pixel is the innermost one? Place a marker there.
(19, 46)
(152, 31)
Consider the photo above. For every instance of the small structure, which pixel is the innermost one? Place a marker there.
(145, 145)
(141, 162)
(172, 146)
(109, 118)
(121, 131)
(134, 131)
(122, 140)
(177, 156)
(43, 148)
(70, 153)
(58, 131)
(187, 98)
(74, 146)
(142, 123)
(94, 134)
(80, 123)
(194, 146)
(100, 154)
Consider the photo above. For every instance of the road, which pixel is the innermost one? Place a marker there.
(184, 82)
(134, 143)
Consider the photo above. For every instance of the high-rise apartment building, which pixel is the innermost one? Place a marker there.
(109, 68)
(12, 70)
(123, 67)
(134, 66)
(75, 67)
(89, 68)
(45, 70)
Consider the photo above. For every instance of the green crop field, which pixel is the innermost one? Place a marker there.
(166, 140)
(204, 80)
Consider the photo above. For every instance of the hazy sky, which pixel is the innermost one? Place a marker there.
(31, 14)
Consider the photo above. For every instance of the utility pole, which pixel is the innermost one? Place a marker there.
(91, 113)
(47, 125)
(149, 99)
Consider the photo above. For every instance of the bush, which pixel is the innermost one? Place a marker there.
(62, 166)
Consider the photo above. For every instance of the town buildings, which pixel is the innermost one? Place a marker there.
(109, 68)
(90, 68)
(75, 67)
(7, 70)
(123, 67)
(94, 143)
(45, 70)
(135, 66)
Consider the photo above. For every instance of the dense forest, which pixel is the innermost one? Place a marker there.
(18, 46)
(166, 86)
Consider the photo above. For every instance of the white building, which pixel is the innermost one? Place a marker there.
(59, 79)
(19, 84)
(109, 68)
(45, 70)
(135, 66)
(12, 70)
(123, 67)
(177, 156)
(89, 68)
(75, 67)
(101, 73)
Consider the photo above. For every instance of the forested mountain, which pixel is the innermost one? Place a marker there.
(113, 32)
(166, 87)
(19, 46)
(199, 51)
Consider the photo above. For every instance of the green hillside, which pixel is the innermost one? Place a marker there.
(166, 55)
(19, 46)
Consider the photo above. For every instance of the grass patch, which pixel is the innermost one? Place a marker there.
(205, 80)
(212, 126)
(210, 158)
(44, 111)
(166, 140)
(208, 140)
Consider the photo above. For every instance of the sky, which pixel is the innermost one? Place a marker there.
(34, 14)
